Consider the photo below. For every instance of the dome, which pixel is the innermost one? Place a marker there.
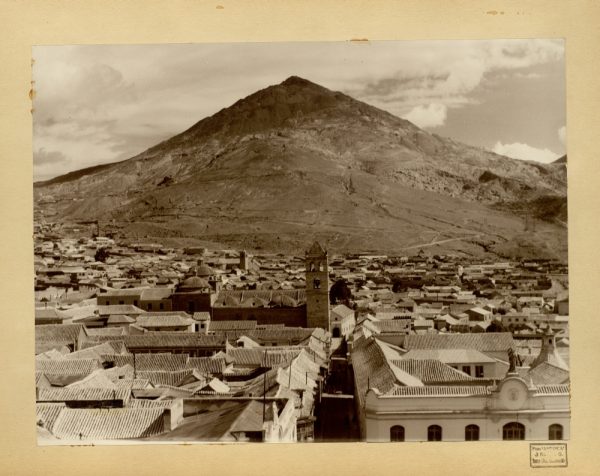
(195, 283)
(204, 270)
(284, 300)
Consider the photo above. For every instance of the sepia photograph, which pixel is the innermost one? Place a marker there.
(312, 242)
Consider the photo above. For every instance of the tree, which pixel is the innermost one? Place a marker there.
(340, 292)
(496, 326)
(101, 255)
(133, 273)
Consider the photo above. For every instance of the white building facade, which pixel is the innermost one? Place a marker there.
(512, 410)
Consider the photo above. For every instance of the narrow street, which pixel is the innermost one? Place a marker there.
(336, 415)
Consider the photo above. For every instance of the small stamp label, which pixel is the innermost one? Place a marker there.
(548, 455)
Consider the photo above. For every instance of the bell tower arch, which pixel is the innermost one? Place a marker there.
(317, 287)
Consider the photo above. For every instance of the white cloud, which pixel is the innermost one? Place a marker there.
(433, 115)
(521, 151)
(562, 135)
(448, 72)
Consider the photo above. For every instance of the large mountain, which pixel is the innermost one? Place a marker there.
(296, 161)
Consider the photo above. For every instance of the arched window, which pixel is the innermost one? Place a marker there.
(555, 432)
(434, 433)
(397, 433)
(312, 266)
(513, 431)
(471, 433)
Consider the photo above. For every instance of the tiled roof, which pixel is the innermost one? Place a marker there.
(119, 373)
(391, 326)
(255, 387)
(132, 384)
(485, 342)
(280, 297)
(52, 354)
(163, 321)
(342, 311)
(106, 331)
(123, 292)
(450, 356)
(117, 346)
(163, 377)
(158, 340)
(207, 365)
(432, 372)
(552, 390)
(167, 313)
(261, 357)
(66, 366)
(94, 352)
(218, 420)
(38, 377)
(390, 316)
(372, 369)
(151, 362)
(304, 373)
(48, 313)
(81, 394)
(108, 424)
(545, 374)
(201, 316)
(293, 335)
(438, 391)
(143, 403)
(119, 319)
(97, 379)
(171, 391)
(47, 413)
(120, 309)
(231, 325)
(63, 334)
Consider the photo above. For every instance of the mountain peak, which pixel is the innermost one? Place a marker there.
(297, 81)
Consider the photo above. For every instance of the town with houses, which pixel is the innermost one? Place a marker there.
(138, 341)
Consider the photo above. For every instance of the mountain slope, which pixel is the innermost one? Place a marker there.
(296, 160)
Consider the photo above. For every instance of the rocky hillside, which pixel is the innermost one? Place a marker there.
(297, 161)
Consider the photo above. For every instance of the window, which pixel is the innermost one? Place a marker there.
(135, 303)
(466, 369)
(107, 303)
(161, 306)
(471, 433)
(513, 431)
(434, 433)
(149, 306)
(397, 433)
(121, 302)
(479, 371)
(317, 284)
(555, 432)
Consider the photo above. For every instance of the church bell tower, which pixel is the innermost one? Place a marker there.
(317, 287)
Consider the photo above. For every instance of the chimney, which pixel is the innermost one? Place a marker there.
(168, 420)
(172, 416)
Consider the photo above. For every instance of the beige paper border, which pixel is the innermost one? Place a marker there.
(25, 23)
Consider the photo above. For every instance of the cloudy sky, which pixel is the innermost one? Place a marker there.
(98, 104)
